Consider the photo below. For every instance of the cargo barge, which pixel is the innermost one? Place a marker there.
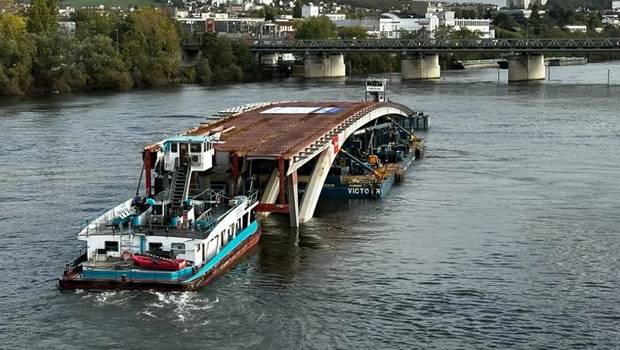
(203, 188)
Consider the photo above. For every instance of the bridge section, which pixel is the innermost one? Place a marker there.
(419, 56)
(426, 46)
(265, 146)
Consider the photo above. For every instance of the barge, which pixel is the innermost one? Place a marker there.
(204, 187)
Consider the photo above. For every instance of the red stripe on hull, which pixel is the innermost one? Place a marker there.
(72, 283)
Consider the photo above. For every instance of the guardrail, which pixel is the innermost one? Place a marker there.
(437, 45)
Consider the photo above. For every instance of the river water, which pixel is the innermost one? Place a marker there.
(506, 235)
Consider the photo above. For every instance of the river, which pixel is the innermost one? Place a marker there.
(506, 235)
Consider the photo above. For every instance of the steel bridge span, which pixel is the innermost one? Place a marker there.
(269, 143)
(412, 46)
(419, 57)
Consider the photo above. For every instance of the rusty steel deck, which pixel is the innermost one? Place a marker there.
(279, 130)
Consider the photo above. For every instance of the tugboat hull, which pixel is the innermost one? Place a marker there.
(72, 279)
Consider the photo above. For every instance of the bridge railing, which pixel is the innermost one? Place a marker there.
(437, 45)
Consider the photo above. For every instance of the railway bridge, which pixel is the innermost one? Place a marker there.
(277, 147)
(324, 58)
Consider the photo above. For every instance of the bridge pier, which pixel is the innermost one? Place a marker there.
(324, 66)
(526, 67)
(420, 67)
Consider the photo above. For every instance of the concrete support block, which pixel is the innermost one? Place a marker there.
(526, 67)
(315, 185)
(420, 67)
(324, 66)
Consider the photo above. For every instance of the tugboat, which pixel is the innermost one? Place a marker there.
(182, 232)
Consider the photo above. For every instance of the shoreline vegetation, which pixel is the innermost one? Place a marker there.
(108, 52)
(111, 51)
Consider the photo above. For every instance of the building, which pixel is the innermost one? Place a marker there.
(576, 29)
(611, 19)
(392, 26)
(482, 26)
(615, 5)
(309, 10)
(336, 16)
(524, 4)
(281, 28)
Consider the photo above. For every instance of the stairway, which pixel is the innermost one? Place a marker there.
(177, 188)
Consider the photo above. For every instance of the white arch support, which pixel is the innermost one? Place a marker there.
(326, 149)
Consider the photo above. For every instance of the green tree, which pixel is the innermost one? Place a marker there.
(16, 51)
(42, 16)
(218, 51)
(203, 71)
(315, 28)
(246, 61)
(505, 21)
(151, 47)
(358, 32)
(90, 22)
(103, 64)
(56, 65)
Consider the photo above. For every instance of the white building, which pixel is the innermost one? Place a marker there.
(336, 16)
(615, 5)
(309, 10)
(391, 26)
(482, 26)
(611, 20)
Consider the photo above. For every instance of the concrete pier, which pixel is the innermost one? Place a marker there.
(324, 66)
(420, 67)
(526, 67)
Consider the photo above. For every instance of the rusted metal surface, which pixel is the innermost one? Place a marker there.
(278, 135)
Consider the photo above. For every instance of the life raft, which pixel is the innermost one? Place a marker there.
(154, 262)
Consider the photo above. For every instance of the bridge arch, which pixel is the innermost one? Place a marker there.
(325, 151)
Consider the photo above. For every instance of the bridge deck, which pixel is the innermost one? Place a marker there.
(279, 129)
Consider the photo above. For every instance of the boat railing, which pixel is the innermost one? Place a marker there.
(102, 220)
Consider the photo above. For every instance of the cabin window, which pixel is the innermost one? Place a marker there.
(111, 246)
(173, 147)
(195, 147)
(177, 246)
(155, 246)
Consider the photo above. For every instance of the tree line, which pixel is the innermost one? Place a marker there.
(107, 51)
